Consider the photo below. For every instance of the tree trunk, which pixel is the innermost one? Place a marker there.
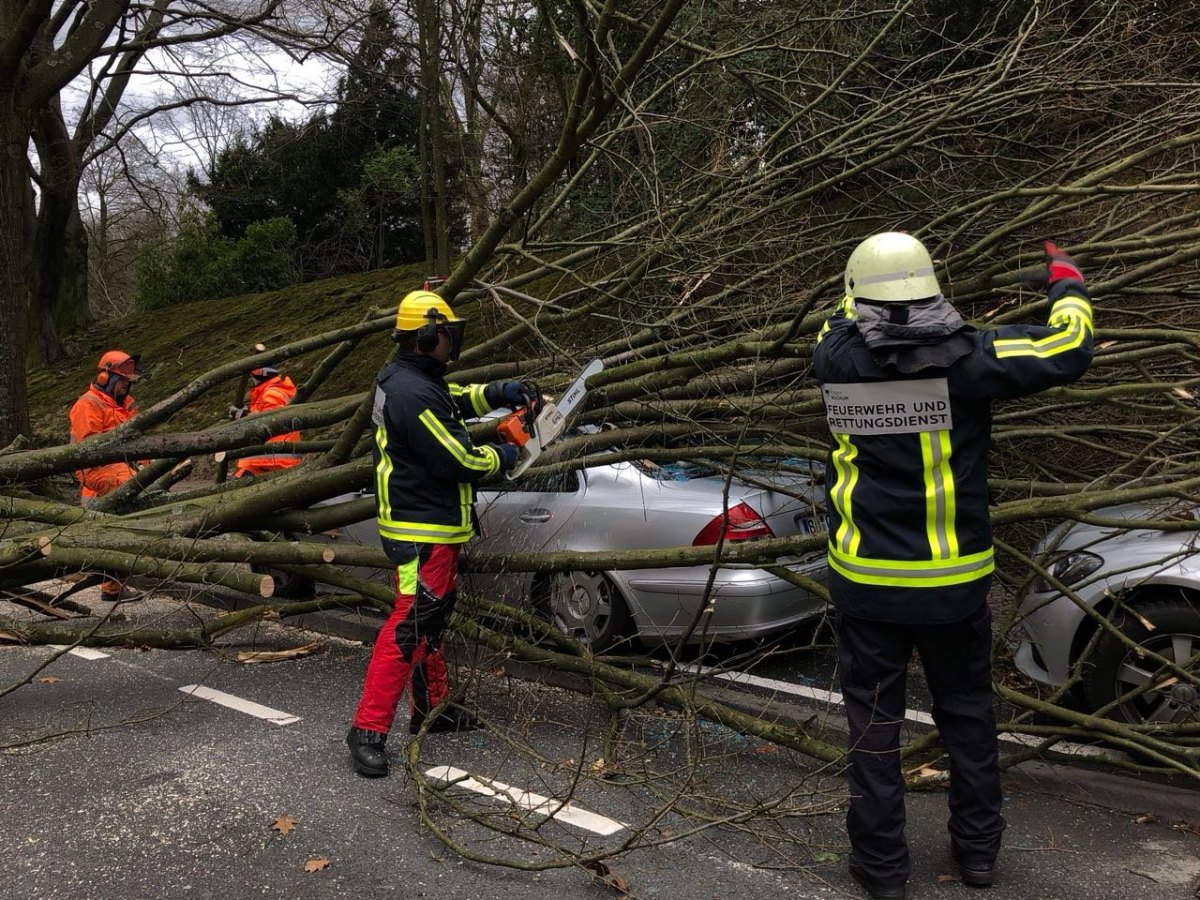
(58, 300)
(435, 203)
(15, 210)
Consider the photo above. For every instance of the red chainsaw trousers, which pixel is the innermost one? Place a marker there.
(408, 649)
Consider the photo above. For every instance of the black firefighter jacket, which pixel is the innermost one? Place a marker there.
(425, 463)
(909, 533)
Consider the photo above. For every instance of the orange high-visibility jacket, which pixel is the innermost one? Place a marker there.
(271, 394)
(94, 413)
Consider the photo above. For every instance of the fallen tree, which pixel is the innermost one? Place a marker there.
(704, 301)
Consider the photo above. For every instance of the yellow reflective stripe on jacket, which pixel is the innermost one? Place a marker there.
(478, 403)
(425, 533)
(939, 494)
(1070, 307)
(846, 308)
(483, 459)
(1072, 312)
(474, 395)
(844, 454)
(383, 471)
(912, 573)
(428, 532)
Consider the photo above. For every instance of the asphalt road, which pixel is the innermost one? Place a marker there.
(118, 783)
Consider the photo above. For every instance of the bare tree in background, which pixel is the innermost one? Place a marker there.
(64, 72)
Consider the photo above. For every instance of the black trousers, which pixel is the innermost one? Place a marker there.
(873, 660)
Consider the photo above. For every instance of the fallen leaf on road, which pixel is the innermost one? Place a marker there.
(605, 873)
(253, 657)
(49, 679)
(944, 877)
(316, 864)
(1145, 819)
(284, 824)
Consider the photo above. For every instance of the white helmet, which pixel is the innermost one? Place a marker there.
(891, 268)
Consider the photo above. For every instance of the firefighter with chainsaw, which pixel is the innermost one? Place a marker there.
(270, 390)
(106, 404)
(426, 467)
(908, 387)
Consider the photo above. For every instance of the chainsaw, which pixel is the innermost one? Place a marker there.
(538, 422)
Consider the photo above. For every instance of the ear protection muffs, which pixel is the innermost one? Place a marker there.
(102, 378)
(427, 334)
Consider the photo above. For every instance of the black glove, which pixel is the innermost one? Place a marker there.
(1060, 266)
(511, 393)
(236, 412)
(508, 455)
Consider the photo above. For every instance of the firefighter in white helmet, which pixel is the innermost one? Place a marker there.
(908, 387)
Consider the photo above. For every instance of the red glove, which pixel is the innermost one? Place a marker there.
(1059, 265)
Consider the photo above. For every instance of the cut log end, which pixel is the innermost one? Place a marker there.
(219, 456)
(266, 586)
(328, 555)
(44, 545)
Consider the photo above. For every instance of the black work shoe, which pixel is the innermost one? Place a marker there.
(450, 720)
(974, 873)
(367, 752)
(877, 890)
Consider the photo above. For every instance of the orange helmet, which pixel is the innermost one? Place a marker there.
(262, 373)
(118, 362)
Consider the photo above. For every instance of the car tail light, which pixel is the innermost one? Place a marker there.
(741, 523)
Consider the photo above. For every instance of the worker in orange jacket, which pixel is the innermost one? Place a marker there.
(106, 404)
(271, 390)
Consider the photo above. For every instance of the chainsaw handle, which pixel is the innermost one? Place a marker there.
(513, 429)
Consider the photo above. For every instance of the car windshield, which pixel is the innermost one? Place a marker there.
(764, 466)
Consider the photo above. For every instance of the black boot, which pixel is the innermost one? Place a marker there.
(367, 752)
(450, 720)
(979, 873)
(875, 889)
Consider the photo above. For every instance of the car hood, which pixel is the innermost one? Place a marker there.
(1103, 538)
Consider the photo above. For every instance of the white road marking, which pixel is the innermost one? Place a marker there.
(249, 707)
(83, 652)
(558, 810)
(913, 715)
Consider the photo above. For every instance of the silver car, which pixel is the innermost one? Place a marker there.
(1147, 582)
(637, 506)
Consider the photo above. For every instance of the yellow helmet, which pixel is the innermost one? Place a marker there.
(414, 311)
(891, 268)
(423, 313)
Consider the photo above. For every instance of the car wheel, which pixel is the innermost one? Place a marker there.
(288, 586)
(1172, 630)
(586, 606)
(292, 587)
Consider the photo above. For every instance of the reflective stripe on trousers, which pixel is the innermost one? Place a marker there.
(426, 591)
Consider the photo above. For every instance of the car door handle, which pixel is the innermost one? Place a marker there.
(536, 516)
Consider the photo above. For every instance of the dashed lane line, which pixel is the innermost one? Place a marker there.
(82, 652)
(913, 715)
(249, 707)
(559, 810)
